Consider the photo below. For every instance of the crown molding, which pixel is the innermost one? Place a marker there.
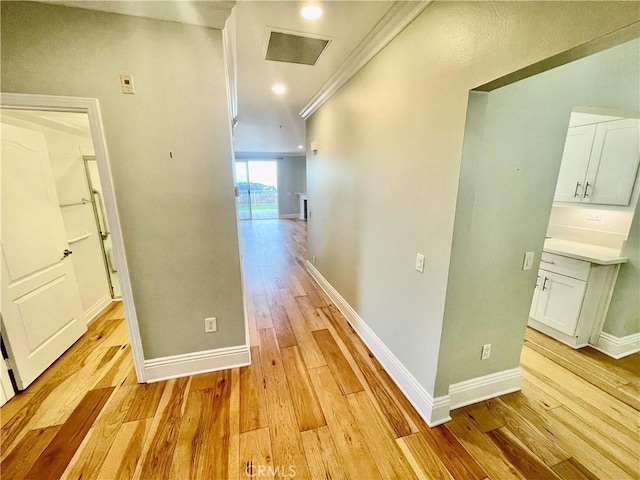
(397, 18)
(230, 53)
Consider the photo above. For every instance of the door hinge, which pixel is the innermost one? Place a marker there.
(6, 362)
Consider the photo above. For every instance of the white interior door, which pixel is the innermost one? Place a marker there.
(41, 309)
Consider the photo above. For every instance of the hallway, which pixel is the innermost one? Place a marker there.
(313, 404)
(344, 414)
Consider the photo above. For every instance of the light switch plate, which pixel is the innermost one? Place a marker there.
(527, 264)
(486, 351)
(420, 263)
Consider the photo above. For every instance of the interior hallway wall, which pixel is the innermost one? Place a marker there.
(170, 152)
(292, 179)
(384, 183)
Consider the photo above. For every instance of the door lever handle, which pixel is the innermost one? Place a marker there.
(66, 253)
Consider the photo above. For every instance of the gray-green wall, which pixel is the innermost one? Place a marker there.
(177, 214)
(383, 185)
(507, 184)
(623, 317)
(292, 179)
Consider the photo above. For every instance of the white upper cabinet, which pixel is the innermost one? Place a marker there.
(575, 161)
(599, 163)
(613, 163)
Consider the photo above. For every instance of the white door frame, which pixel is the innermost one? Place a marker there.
(91, 106)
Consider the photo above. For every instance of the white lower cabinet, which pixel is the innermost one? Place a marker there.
(571, 298)
(559, 301)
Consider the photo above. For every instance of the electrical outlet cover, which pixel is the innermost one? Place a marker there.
(210, 325)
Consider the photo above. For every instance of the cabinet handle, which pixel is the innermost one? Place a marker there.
(586, 187)
(537, 285)
(547, 261)
(544, 284)
(575, 193)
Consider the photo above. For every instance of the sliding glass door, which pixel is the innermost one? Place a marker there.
(244, 194)
(257, 189)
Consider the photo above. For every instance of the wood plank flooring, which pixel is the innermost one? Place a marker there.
(315, 403)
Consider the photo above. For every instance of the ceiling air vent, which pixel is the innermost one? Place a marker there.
(287, 47)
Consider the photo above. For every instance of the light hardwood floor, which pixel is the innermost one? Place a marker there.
(314, 404)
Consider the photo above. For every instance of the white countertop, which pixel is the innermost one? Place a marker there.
(584, 251)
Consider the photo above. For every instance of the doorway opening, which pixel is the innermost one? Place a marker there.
(57, 210)
(257, 182)
(545, 232)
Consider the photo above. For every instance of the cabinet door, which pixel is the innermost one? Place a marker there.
(614, 163)
(560, 301)
(575, 159)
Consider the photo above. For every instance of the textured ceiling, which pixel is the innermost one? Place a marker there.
(205, 13)
(271, 123)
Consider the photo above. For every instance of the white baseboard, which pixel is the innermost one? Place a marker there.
(289, 215)
(482, 388)
(99, 306)
(175, 366)
(434, 412)
(618, 347)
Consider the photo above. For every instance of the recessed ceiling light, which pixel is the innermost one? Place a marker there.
(311, 12)
(300, 146)
(279, 89)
